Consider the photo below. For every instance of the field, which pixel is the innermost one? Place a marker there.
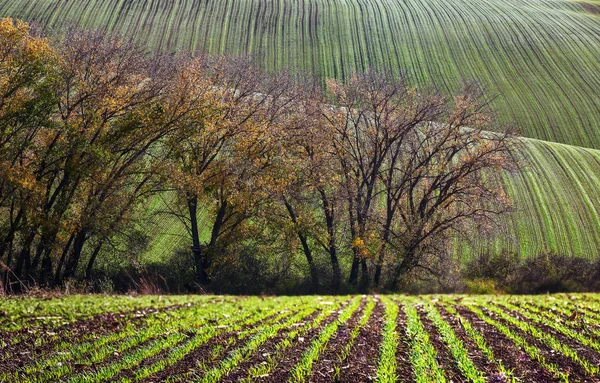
(388, 338)
(540, 57)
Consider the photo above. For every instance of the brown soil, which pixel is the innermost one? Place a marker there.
(444, 357)
(208, 354)
(404, 368)
(361, 365)
(267, 349)
(505, 350)
(583, 351)
(574, 370)
(292, 355)
(579, 323)
(26, 351)
(323, 368)
(489, 367)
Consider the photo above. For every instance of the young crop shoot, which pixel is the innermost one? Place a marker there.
(301, 372)
(481, 343)
(386, 371)
(455, 346)
(422, 353)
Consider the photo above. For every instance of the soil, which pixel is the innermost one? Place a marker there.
(488, 367)
(444, 356)
(323, 368)
(266, 350)
(45, 340)
(580, 323)
(292, 355)
(205, 354)
(505, 350)
(575, 371)
(404, 368)
(361, 365)
(583, 351)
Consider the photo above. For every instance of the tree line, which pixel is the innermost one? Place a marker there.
(371, 174)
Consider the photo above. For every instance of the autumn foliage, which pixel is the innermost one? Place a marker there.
(371, 176)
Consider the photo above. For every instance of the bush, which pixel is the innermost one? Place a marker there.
(544, 273)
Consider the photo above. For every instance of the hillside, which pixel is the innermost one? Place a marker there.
(540, 58)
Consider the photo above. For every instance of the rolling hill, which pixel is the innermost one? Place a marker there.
(540, 59)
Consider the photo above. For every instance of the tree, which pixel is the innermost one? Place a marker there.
(372, 114)
(441, 182)
(220, 143)
(311, 195)
(26, 73)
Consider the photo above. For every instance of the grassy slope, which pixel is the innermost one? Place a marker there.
(556, 199)
(539, 56)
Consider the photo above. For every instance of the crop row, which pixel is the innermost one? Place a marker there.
(317, 339)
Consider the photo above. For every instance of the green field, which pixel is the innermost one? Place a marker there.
(389, 338)
(540, 57)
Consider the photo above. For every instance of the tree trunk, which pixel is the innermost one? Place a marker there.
(45, 274)
(62, 259)
(364, 278)
(314, 274)
(7, 241)
(73, 262)
(201, 274)
(379, 267)
(335, 266)
(328, 209)
(24, 258)
(404, 267)
(382, 250)
(90, 265)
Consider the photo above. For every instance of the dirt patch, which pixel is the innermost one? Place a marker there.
(209, 354)
(505, 350)
(488, 367)
(444, 357)
(580, 323)
(575, 371)
(361, 365)
(268, 349)
(404, 368)
(324, 368)
(292, 355)
(582, 350)
(45, 340)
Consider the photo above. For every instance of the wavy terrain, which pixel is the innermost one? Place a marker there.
(540, 58)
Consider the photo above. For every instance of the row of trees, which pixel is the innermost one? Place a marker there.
(369, 172)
